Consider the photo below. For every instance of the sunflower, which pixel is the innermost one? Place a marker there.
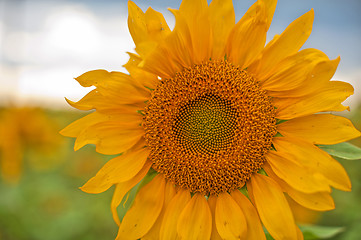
(224, 123)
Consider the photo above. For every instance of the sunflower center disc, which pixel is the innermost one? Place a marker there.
(209, 127)
(206, 124)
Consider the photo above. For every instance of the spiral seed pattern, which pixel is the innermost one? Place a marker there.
(209, 127)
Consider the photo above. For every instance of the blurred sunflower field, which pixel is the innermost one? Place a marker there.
(40, 176)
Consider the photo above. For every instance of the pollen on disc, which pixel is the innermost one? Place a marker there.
(209, 127)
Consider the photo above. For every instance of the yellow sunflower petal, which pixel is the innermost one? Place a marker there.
(270, 9)
(153, 63)
(116, 85)
(195, 221)
(222, 19)
(154, 28)
(149, 27)
(145, 210)
(154, 232)
(168, 229)
(110, 137)
(93, 78)
(296, 175)
(327, 99)
(144, 78)
(133, 117)
(254, 226)
(320, 129)
(197, 16)
(299, 233)
(88, 102)
(212, 200)
(134, 60)
(230, 220)
(272, 207)
(319, 201)
(190, 8)
(111, 108)
(118, 195)
(75, 128)
(157, 27)
(119, 169)
(105, 105)
(122, 188)
(136, 23)
(288, 43)
(314, 81)
(293, 71)
(312, 157)
(248, 36)
(176, 51)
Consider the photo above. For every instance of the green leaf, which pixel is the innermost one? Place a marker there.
(343, 150)
(312, 232)
(262, 171)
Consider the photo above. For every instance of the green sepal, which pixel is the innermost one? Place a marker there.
(343, 150)
(269, 237)
(279, 121)
(141, 112)
(262, 171)
(151, 89)
(244, 190)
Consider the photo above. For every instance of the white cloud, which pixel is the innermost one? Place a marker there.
(73, 35)
(72, 31)
(53, 83)
(71, 41)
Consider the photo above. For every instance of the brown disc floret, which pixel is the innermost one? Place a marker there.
(209, 127)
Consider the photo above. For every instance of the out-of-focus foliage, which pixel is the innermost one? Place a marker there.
(47, 204)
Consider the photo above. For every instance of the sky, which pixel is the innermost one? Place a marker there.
(44, 44)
